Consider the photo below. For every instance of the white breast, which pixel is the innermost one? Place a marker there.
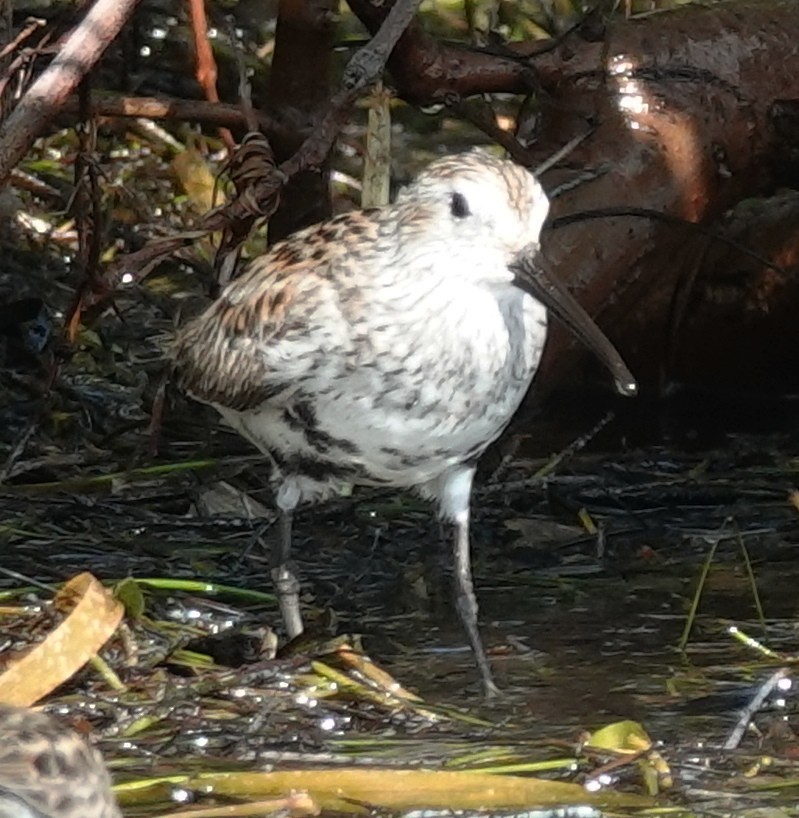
(421, 397)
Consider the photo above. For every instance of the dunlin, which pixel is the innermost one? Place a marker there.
(389, 347)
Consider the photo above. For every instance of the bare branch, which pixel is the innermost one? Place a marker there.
(364, 68)
(43, 100)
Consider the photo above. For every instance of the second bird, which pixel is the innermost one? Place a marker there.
(49, 771)
(389, 347)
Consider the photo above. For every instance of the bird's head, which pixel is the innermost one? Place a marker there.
(482, 209)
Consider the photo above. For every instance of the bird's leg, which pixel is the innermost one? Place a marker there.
(467, 602)
(284, 577)
(454, 499)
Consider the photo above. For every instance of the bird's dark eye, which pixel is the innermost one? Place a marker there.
(458, 206)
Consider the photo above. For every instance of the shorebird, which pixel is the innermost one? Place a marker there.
(389, 347)
(49, 771)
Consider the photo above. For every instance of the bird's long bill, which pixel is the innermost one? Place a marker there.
(532, 276)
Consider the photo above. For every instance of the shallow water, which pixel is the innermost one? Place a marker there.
(585, 581)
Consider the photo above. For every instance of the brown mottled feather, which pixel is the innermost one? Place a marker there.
(49, 771)
(222, 358)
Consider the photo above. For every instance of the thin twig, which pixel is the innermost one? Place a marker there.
(45, 98)
(364, 68)
(668, 218)
(757, 702)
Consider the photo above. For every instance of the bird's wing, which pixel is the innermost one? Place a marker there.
(277, 324)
